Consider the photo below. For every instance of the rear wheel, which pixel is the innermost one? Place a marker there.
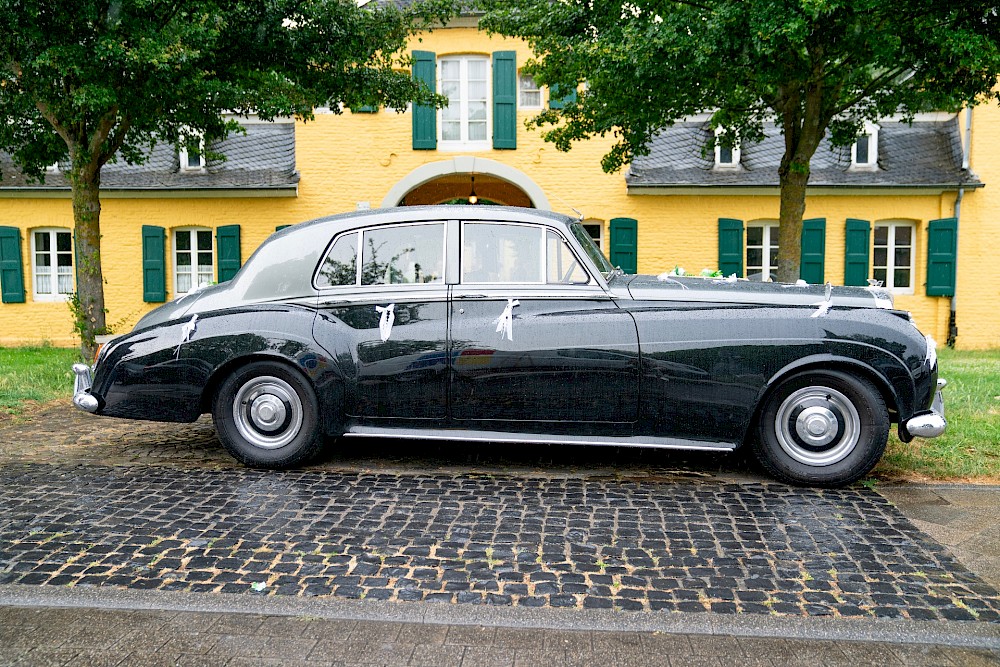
(823, 428)
(266, 416)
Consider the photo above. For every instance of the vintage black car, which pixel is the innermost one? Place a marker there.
(509, 326)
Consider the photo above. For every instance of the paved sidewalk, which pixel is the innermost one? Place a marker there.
(44, 626)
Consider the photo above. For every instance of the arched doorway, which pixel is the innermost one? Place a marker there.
(456, 179)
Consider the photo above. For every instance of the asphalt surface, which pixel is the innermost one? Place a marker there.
(450, 554)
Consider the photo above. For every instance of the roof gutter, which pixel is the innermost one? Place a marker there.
(952, 320)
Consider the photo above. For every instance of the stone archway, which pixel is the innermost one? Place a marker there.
(451, 179)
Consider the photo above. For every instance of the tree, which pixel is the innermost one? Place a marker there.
(104, 80)
(812, 67)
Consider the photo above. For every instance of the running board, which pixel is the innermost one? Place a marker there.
(537, 438)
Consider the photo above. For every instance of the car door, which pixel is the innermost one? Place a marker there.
(534, 337)
(384, 319)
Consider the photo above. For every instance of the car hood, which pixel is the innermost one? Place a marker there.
(722, 290)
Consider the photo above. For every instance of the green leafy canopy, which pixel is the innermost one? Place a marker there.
(98, 77)
(809, 65)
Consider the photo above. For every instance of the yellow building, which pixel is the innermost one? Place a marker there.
(884, 208)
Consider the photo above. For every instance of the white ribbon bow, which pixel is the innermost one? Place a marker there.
(187, 331)
(826, 304)
(505, 323)
(386, 320)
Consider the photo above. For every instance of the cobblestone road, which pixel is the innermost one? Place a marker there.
(467, 538)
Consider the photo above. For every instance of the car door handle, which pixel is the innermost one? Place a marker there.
(472, 296)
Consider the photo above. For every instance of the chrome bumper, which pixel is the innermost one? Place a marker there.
(82, 398)
(932, 423)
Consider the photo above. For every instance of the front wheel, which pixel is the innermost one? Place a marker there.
(266, 416)
(822, 428)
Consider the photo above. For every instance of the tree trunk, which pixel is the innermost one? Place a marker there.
(90, 313)
(792, 180)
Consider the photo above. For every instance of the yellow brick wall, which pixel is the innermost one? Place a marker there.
(978, 290)
(351, 159)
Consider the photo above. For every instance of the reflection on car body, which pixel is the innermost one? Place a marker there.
(508, 325)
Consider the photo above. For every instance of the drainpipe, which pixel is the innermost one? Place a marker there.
(952, 321)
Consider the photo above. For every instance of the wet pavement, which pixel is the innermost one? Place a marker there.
(685, 544)
(695, 547)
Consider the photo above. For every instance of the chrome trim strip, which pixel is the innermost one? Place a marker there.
(537, 438)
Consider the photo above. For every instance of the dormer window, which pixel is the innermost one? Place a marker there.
(191, 154)
(864, 152)
(727, 152)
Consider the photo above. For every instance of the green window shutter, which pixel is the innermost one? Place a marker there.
(367, 108)
(731, 246)
(856, 253)
(505, 100)
(559, 99)
(942, 257)
(624, 238)
(154, 264)
(11, 268)
(280, 227)
(811, 264)
(425, 117)
(228, 250)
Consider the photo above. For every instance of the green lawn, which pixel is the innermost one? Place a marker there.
(34, 374)
(970, 448)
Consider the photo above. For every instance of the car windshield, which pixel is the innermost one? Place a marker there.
(589, 247)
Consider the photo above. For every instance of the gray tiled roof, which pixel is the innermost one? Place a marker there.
(928, 153)
(264, 157)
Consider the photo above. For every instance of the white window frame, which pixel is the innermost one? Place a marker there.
(521, 104)
(182, 153)
(53, 268)
(769, 239)
(599, 240)
(193, 272)
(464, 143)
(871, 131)
(719, 164)
(890, 254)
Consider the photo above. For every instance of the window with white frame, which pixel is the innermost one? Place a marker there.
(194, 259)
(892, 255)
(864, 151)
(762, 251)
(594, 229)
(727, 151)
(464, 81)
(52, 264)
(191, 154)
(530, 94)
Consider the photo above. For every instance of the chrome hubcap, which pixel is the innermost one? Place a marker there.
(267, 412)
(817, 426)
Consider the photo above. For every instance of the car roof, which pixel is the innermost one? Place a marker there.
(405, 214)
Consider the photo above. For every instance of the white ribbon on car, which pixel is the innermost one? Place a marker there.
(187, 332)
(385, 321)
(505, 323)
(826, 304)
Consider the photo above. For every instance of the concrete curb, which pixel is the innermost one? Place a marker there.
(946, 633)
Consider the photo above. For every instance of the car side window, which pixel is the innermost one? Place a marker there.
(562, 267)
(403, 254)
(341, 264)
(499, 253)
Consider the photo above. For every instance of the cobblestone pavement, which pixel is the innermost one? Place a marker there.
(467, 538)
(98, 637)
